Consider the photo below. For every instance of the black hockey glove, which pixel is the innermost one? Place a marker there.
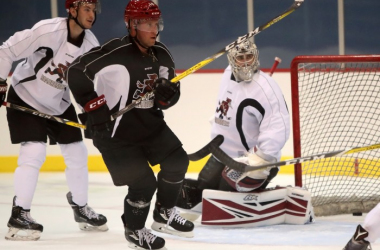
(98, 118)
(166, 93)
(3, 91)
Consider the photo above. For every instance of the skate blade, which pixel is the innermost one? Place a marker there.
(134, 246)
(87, 227)
(17, 234)
(163, 228)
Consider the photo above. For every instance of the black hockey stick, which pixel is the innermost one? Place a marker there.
(223, 157)
(296, 4)
(205, 151)
(42, 115)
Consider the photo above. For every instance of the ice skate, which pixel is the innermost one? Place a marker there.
(87, 218)
(358, 242)
(143, 238)
(22, 227)
(171, 222)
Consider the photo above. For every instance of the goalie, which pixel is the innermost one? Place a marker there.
(253, 118)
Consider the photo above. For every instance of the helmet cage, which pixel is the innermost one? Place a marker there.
(244, 60)
(77, 3)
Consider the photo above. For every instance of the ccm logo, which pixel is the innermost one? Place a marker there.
(95, 103)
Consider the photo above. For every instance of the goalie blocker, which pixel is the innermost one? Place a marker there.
(279, 205)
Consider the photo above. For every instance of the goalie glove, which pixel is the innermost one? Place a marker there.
(247, 181)
(3, 90)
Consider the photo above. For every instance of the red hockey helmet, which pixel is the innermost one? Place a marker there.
(141, 9)
(75, 3)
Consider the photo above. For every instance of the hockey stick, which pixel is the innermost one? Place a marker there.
(205, 151)
(223, 157)
(42, 115)
(296, 4)
(277, 61)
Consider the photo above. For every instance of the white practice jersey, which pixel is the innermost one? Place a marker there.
(39, 80)
(251, 115)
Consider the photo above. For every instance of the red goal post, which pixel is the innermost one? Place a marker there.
(336, 105)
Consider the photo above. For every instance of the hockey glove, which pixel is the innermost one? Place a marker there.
(247, 181)
(3, 91)
(98, 118)
(166, 93)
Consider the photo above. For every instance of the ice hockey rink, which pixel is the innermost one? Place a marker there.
(50, 208)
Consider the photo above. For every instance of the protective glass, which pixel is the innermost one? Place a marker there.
(149, 25)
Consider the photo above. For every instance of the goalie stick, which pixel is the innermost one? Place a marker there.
(228, 161)
(296, 4)
(42, 115)
(205, 151)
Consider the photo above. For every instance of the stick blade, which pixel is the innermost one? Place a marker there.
(205, 151)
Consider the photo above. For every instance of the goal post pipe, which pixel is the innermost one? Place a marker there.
(296, 4)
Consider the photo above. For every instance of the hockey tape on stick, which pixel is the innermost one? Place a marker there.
(42, 115)
(277, 61)
(228, 161)
(205, 151)
(296, 4)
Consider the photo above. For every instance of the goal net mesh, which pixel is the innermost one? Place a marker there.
(338, 108)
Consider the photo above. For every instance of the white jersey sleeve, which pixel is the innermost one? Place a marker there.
(251, 115)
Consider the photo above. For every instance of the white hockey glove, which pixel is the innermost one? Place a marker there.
(248, 181)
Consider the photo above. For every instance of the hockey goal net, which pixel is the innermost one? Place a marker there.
(335, 106)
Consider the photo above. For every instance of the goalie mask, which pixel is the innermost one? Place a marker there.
(244, 61)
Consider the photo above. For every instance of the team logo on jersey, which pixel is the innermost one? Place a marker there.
(222, 109)
(142, 88)
(58, 70)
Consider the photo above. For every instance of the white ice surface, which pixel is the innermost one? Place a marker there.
(51, 209)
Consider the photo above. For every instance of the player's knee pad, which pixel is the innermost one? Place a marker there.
(174, 167)
(32, 154)
(75, 155)
(142, 190)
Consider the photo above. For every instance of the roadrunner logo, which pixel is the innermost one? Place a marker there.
(222, 109)
(58, 70)
(144, 87)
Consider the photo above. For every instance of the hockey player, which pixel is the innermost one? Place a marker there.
(252, 116)
(123, 70)
(38, 83)
(369, 232)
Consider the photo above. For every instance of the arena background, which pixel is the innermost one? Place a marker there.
(195, 30)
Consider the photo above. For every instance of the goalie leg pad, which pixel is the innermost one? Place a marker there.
(271, 206)
(299, 209)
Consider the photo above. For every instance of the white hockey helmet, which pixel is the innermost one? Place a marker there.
(244, 60)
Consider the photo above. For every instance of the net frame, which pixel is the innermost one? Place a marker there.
(347, 89)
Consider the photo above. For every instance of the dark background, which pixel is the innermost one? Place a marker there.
(195, 30)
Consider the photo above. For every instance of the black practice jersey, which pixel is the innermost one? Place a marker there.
(122, 73)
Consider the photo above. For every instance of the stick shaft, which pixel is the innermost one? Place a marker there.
(42, 115)
(223, 157)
